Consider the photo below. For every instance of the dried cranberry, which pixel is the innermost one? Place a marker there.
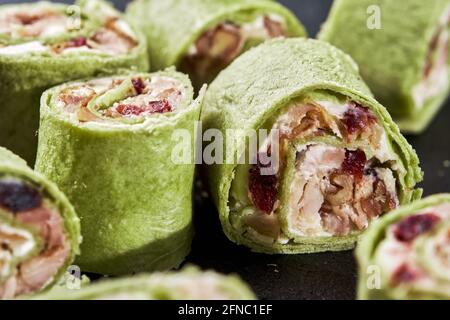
(404, 274)
(162, 106)
(76, 43)
(357, 118)
(27, 19)
(138, 85)
(152, 107)
(129, 110)
(411, 227)
(354, 163)
(263, 188)
(18, 197)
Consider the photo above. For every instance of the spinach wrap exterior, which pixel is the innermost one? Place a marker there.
(39, 230)
(188, 284)
(44, 44)
(404, 59)
(201, 37)
(108, 144)
(340, 160)
(405, 254)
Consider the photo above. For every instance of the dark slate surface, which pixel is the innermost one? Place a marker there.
(314, 276)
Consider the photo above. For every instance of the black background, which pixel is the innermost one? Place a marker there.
(314, 276)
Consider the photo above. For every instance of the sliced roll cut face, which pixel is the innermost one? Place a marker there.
(121, 100)
(56, 30)
(337, 172)
(211, 34)
(217, 47)
(411, 251)
(34, 245)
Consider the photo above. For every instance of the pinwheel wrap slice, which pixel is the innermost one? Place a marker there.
(39, 230)
(327, 118)
(408, 249)
(403, 58)
(202, 37)
(109, 144)
(187, 284)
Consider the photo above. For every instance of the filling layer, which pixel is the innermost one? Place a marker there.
(216, 48)
(332, 186)
(125, 100)
(337, 190)
(45, 29)
(435, 79)
(416, 250)
(33, 245)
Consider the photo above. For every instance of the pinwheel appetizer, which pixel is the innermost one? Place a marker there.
(109, 143)
(340, 161)
(43, 44)
(201, 37)
(406, 255)
(188, 284)
(403, 57)
(39, 231)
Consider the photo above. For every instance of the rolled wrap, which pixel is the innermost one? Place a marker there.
(403, 58)
(39, 230)
(335, 140)
(188, 284)
(44, 44)
(108, 144)
(405, 254)
(201, 37)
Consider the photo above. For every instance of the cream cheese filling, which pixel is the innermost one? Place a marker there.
(44, 23)
(248, 31)
(14, 244)
(311, 184)
(75, 98)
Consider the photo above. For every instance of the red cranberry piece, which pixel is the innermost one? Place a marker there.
(27, 19)
(162, 106)
(129, 110)
(152, 107)
(411, 227)
(18, 197)
(404, 274)
(263, 188)
(77, 42)
(356, 118)
(354, 163)
(138, 85)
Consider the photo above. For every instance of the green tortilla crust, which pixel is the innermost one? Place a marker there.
(261, 82)
(392, 58)
(12, 165)
(157, 286)
(369, 243)
(23, 78)
(172, 26)
(135, 204)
